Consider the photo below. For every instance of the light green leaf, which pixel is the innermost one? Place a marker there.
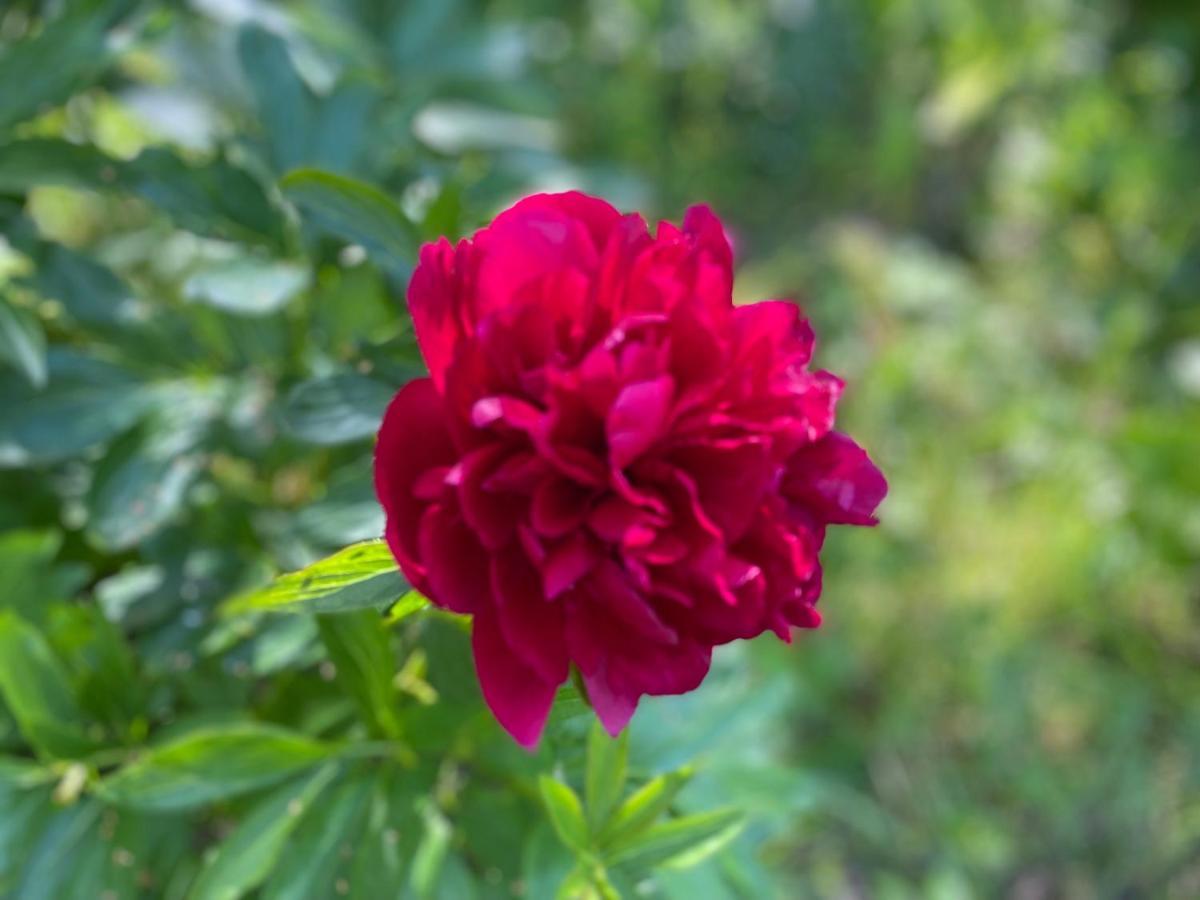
(247, 856)
(67, 832)
(37, 689)
(360, 649)
(605, 777)
(356, 213)
(360, 576)
(644, 806)
(22, 342)
(566, 812)
(430, 853)
(679, 842)
(336, 409)
(248, 286)
(209, 765)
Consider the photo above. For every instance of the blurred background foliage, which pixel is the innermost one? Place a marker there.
(992, 213)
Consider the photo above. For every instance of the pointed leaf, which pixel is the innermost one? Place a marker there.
(247, 856)
(566, 812)
(605, 778)
(679, 843)
(360, 576)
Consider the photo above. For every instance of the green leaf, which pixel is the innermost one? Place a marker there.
(248, 855)
(677, 843)
(430, 853)
(360, 648)
(215, 199)
(644, 806)
(86, 403)
(356, 213)
(358, 577)
(605, 777)
(51, 161)
(43, 871)
(88, 291)
(247, 285)
(209, 765)
(46, 69)
(37, 689)
(141, 483)
(285, 104)
(566, 812)
(22, 342)
(336, 409)
(32, 581)
(315, 856)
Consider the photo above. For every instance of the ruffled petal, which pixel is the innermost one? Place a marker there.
(518, 697)
(836, 480)
(402, 464)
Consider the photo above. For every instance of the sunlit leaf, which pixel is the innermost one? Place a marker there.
(358, 577)
(679, 842)
(566, 812)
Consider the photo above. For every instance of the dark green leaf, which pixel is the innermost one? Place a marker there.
(209, 765)
(22, 342)
(245, 858)
(336, 409)
(285, 104)
(356, 213)
(315, 857)
(43, 871)
(86, 403)
(44, 70)
(50, 161)
(360, 576)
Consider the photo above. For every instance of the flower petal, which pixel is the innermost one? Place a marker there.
(518, 697)
(403, 463)
(836, 480)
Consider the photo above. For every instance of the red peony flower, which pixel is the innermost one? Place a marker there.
(610, 465)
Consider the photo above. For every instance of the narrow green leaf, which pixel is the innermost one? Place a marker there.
(605, 777)
(679, 842)
(360, 576)
(22, 342)
(566, 812)
(430, 853)
(209, 765)
(644, 806)
(247, 856)
(336, 409)
(360, 648)
(357, 213)
(37, 690)
(319, 850)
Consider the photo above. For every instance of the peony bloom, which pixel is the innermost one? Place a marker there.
(610, 465)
